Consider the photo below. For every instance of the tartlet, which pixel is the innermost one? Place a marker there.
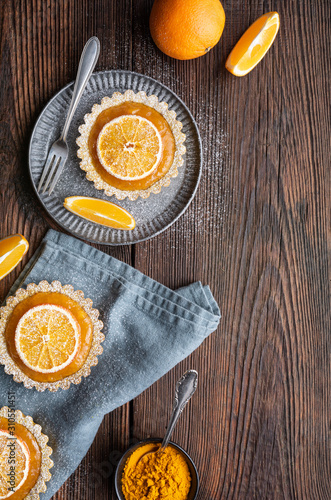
(50, 336)
(22, 441)
(160, 124)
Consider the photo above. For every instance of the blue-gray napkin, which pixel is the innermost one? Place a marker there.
(148, 327)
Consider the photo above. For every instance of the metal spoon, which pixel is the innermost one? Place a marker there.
(185, 388)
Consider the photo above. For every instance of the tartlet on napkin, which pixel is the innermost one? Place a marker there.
(25, 456)
(148, 328)
(49, 329)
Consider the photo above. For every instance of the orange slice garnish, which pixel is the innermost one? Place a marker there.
(47, 338)
(12, 250)
(100, 211)
(129, 147)
(12, 448)
(253, 45)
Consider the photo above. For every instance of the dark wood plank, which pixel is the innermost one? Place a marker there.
(257, 233)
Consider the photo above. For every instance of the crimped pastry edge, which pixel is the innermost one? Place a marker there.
(117, 98)
(46, 451)
(92, 359)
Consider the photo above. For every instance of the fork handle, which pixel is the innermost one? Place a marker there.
(87, 63)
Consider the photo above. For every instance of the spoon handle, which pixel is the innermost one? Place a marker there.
(185, 388)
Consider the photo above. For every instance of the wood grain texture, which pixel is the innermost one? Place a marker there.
(258, 232)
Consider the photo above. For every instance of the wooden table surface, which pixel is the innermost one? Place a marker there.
(256, 232)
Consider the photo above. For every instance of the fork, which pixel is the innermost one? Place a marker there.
(58, 152)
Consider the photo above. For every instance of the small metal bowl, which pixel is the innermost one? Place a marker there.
(192, 495)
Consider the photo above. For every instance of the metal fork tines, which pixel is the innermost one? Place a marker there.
(58, 152)
(56, 159)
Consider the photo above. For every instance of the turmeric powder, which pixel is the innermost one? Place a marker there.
(157, 476)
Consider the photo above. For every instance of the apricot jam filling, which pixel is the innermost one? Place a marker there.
(33, 452)
(85, 329)
(162, 126)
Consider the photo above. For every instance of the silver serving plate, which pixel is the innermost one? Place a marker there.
(154, 214)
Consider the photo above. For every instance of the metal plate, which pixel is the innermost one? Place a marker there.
(152, 215)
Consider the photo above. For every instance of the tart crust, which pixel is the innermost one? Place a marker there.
(117, 98)
(46, 451)
(11, 367)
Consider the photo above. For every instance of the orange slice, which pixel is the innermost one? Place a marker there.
(12, 250)
(47, 338)
(100, 211)
(253, 45)
(13, 451)
(129, 147)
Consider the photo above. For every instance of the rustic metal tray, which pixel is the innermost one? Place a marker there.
(154, 214)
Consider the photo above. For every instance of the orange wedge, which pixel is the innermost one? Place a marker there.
(253, 45)
(47, 338)
(12, 250)
(129, 147)
(100, 211)
(12, 451)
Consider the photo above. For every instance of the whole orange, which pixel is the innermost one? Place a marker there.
(185, 29)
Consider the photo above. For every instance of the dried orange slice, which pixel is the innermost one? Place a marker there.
(253, 45)
(47, 338)
(129, 147)
(100, 211)
(12, 250)
(12, 451)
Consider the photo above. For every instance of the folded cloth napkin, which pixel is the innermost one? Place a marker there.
(148, 327)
